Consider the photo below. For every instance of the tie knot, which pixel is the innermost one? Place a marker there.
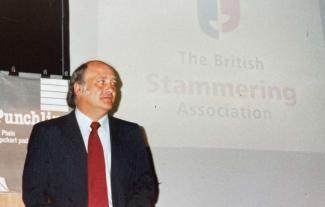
(95, 125)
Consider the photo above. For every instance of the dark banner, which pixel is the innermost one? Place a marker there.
(34, 35)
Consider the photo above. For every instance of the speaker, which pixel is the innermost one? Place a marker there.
(34, 36)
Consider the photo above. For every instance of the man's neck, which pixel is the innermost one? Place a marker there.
(93, 115)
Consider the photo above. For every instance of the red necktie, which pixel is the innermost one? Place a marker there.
(97, 186)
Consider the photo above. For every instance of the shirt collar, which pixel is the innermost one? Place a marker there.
(85, 121)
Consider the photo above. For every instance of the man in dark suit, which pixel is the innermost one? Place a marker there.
(58, 170)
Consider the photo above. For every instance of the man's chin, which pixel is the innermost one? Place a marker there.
(108, 106)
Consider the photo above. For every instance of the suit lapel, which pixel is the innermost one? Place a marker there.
(77, 146)
(115, 153)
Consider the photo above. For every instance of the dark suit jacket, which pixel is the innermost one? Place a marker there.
(55, 171)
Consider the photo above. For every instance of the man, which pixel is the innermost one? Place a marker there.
(64, 168)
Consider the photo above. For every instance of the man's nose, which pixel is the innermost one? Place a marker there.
(109, 87)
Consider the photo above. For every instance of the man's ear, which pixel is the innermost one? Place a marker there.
(77, 89)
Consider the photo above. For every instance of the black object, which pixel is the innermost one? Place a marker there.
(66, 75)
(45, 74)
(34, 34)
(13, 71)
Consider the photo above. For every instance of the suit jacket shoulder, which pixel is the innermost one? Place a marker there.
(122, 123)
(58, 121)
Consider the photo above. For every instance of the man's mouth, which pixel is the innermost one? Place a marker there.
(107, 97)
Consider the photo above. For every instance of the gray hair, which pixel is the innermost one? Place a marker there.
(76, 77)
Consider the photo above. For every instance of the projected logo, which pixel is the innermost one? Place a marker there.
(218, 16)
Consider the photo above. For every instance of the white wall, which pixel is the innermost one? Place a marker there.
(83, 31)
(259, 144)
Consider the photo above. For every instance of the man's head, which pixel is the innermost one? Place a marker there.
(92, 88)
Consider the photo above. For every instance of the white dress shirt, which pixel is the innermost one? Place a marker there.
(104, 136)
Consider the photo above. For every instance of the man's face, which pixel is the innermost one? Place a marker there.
(96, 96)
